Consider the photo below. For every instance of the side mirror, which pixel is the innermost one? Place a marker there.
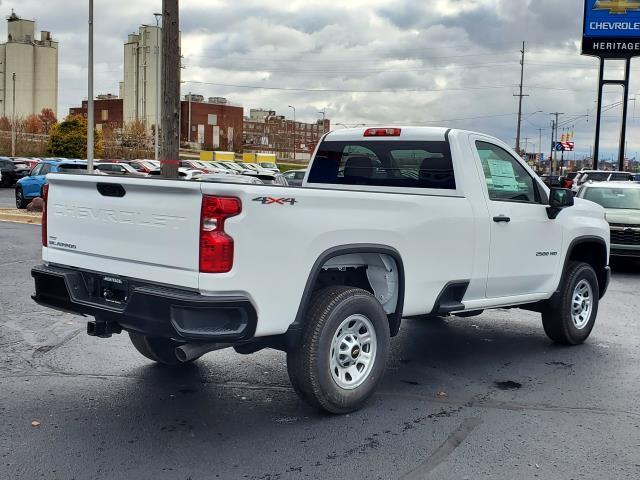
(559, 198)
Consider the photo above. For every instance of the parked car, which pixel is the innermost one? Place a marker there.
(252, 167)
(269, 166)
(12, 171)
(621, 201)
(552, 180)
(30, 162)
(454, 222)
(183, 173)
(295, 177)
(585, 176)
(205, 167)
(120, 168)
(232, 167)
(229, 178)
(30, 186)
(269, 178)
(567, 180)
(142, 166)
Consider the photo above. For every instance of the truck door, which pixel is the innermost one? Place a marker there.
(525, 244)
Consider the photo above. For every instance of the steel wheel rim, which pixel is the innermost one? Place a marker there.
(581, 304)
(353, 352)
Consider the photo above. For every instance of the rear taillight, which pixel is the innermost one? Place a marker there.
(45, 194)
(382, 132)
(216, 247)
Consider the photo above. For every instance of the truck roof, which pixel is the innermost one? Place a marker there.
(407, 133)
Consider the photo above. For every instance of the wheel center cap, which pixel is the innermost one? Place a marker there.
(355, 352)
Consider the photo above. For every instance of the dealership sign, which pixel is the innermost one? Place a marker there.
(611, 28)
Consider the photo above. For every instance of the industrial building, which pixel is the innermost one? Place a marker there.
(29, 70)
(108, 111)
(142, 69)
(266, 132)
(213, 124)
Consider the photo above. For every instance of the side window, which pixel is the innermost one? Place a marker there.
(46, 168)
(507, 180)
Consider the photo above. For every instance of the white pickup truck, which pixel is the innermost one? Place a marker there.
(390, 223)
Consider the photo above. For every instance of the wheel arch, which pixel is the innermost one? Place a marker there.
(591, 250)
(394, 317)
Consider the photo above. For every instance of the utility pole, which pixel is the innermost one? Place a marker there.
(170, 144)
(90, 114)
(540, 142)
(13, 118)
(520, 96)
(156, 149)
(554, 138)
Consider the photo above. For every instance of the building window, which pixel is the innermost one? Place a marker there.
(104, 115)
(212, 119)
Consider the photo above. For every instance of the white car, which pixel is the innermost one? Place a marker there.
(585, 176)
(391, 223)
(183, 173)
(115, 168)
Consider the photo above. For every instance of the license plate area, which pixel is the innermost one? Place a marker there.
(107, 289)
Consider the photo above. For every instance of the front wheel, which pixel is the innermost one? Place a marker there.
(161, 350)
(21, 202)
(343, 349)
(569, 318)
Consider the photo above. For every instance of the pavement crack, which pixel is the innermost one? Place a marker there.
(441, 453)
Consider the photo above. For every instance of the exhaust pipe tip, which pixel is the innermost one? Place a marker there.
(181, 355)
(191, 351)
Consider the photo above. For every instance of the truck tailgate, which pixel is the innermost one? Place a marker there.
(135, 227)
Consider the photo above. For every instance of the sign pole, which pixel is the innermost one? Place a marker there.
(625, 102)
(596, 148)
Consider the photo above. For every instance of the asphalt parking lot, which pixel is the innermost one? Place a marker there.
(483, 397)
(7, 197)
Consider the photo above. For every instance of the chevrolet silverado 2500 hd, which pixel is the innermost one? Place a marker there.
(389, 223)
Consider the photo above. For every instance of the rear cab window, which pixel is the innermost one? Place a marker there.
(402, 164)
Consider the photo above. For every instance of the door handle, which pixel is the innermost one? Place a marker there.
(501, 218)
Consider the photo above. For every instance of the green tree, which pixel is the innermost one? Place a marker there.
(69, 139)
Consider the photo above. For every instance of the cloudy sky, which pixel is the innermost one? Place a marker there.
(428, 62)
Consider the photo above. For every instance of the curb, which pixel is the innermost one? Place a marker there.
(13, 215)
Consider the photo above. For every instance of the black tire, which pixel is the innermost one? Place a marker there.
(309, 364)
(161, 350)
(557, 317)
(21, 202)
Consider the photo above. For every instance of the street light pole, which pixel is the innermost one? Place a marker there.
(90, 117)
(13, 119)
(156, 149)
(294, 131)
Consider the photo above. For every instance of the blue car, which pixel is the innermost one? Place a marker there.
(30, 187)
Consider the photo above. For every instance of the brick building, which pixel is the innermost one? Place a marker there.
(266, 132)
(211, 125)
(107, 109)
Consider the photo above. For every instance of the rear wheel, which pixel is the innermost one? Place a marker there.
(21, 202)
(343, 349)
(161, 350)
(569, 318)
